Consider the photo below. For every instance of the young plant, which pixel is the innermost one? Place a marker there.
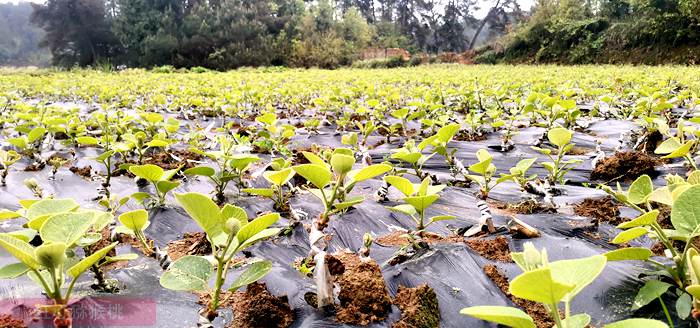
(519, 175)
(418, 197)
(557, 166)
(679, 146)
(277, 180)
(550, 284)
(160, 179)
(229, 232)
(486, 172)
(134, 223)
(413, 155)
(7, 158)
(439, 142)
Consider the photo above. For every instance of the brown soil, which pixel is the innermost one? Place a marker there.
(580, 151)
(8, 321)
(398, 238)
(652, 141)
(529, 206)
(624, 166)
(601, 209)
(34, 167)
(664, 218)
(135, 243)
(419, 307)
(257, 308)
(84, 171)
(493, 249)
(167, 162)
(191, 244)
(463, 136)
(363, 295)
(538, 313)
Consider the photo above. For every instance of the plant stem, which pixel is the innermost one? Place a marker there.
(217, 286)
(668, 316)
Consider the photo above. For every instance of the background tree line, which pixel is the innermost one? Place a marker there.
(603, 31)
(225, 34)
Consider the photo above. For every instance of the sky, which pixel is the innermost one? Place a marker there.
(524, 4)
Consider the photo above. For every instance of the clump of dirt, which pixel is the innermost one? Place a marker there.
(651, 141)
(664, 218)
(135, 243)
(465, 136)
(399, 238)
(493, 249)
(85, 171)
(174, 159)
(601, 209)
(257, 308)
(191, 244)
(36, 166)
(363, 295)
(8, 321)
(529, 206)
(625, 166)
(538, 313)
(419, 307)
(103, 242)
(576, 150)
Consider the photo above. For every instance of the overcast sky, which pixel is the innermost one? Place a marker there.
(524, 4)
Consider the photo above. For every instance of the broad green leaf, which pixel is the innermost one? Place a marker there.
(317, 175)
(89, 261)
(580, 320)
(201, 171)
(66, 228)
(233, 211)
(13, 270)
(314, 159)
(279, 177)
(264, 192)
(348, 203)
(503, 315)
(685, 214)
(447, 132)
(7, 215)
(578, 273)
(257, 237)
(539, 286)
(150, 172)
(684, 304)
(253, 227)
(640, 189)
(667, 146)
(20, 249)
(253, 273)
(165, 186)
(342, 164)
(404, 208)
(404, 185)
(442, 218)
(630, 234)
(694, 177)
(369, 172)
(651, 290)
(407, 157)
(35, 134)
(50, 206)
(637, 323)
(121, 257)
(661, 195)
(629, 253)
(681, 151)
(559, 136)
(134, 220)
(88, 141)
(203, 211)
(421, 202)
(642, 220)
(188, 273)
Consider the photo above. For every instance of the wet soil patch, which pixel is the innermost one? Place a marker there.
(363, 295)
(601, 209)
(399, 238)
(529, 206)
(495, 249)
(538, 313)
(419, 307)
(191, 244)
(625, 166)
(8, 321)
(85, 171)
(257, 308)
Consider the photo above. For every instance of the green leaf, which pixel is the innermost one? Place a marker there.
(7, 215)
(369, 172)
(256, 226)
(203, 211)
(539, 286)
(681, 151)
(150, 172)
(559, 136)
(50, 206)
(629, 254)
(630, 234)
(313, 158)
(668, 146)
(637, 323)
(36, 133)
(165, 186)
(348, 203)
(685, 214)
(684, 305)
(580, 320)
(87, 262)
(87, 141)
(134, 220)
(640, 189)
(578, 273)
(204, 171)
(279, 177)
(14, 270)
(442, 218)
(404, 208)
(67, 228)
(188, 273)
(503, 315)
(121, 257)
(642, 220)
(264, 192)
(421, 202)
(447, 132)
(651, 290)
(342, 164)
(404, 185)
(317, 175)
(20, 249)
(253, 273)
